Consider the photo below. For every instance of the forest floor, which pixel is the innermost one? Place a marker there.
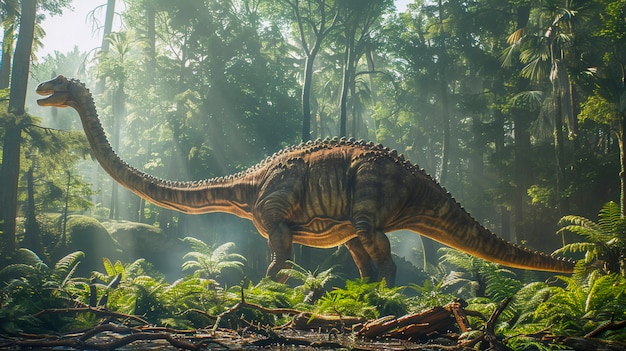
(438, 328)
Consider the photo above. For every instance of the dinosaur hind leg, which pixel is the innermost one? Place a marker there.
(361, 257)
(377, 246)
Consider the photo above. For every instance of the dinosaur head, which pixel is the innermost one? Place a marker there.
(57, 91)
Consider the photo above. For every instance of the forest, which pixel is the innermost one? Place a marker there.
(516, 107)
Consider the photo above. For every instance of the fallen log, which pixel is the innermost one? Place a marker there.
(410, 327)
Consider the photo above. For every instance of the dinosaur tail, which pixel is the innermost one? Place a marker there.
(451, 225)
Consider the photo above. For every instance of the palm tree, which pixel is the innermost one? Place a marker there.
(548, 54)
(606, 239)
(209, 261)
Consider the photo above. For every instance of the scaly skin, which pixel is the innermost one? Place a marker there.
(321, 194)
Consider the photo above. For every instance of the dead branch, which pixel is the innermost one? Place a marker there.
(610, 325)
(460, 315)
(490, 334)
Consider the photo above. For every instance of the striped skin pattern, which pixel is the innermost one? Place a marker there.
(321, 194)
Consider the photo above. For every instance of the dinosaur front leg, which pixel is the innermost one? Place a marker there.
(280, 242)
(361, 257)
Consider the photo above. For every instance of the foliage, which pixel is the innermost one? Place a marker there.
(580, 307)
(313, 283)
(29, 286)
(478, 278)
(429, 294)
(605, 240)
(137, 289)
(209, 261)
(364, 299)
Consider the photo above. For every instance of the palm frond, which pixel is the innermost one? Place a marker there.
(516, 36)
(531, 98)
(591, 234)
(575, 247)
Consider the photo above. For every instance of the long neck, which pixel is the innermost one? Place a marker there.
(230, 195)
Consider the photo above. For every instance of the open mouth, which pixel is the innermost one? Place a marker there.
(45, 100)
(51, 97)
(43, 91)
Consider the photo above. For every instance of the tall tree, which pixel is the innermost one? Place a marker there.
(548, 54)
(15, 121)
(104, 48)
(315, 19)
(9, 12)
(606, 103)
(358, 19)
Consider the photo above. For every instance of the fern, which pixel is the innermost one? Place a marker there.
(579, 307)
(605, 240)
(366, 299)
(482, 277)
(209, 261)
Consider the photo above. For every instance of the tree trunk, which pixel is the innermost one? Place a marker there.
(559, 156)
(9, 174)
(522, 174)
(7, 53)
(306, 97)
(32, 232)
(521, 150)
(622, 154)
(345, 86)
(445, 111)
(108, 27)
(445, 120)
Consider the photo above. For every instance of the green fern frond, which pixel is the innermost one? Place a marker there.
(575, 247)
(610, 216)
(196, 244)
(68, 262)
(591, 234)
(119, 268)
(108, 267)
(579, 221)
